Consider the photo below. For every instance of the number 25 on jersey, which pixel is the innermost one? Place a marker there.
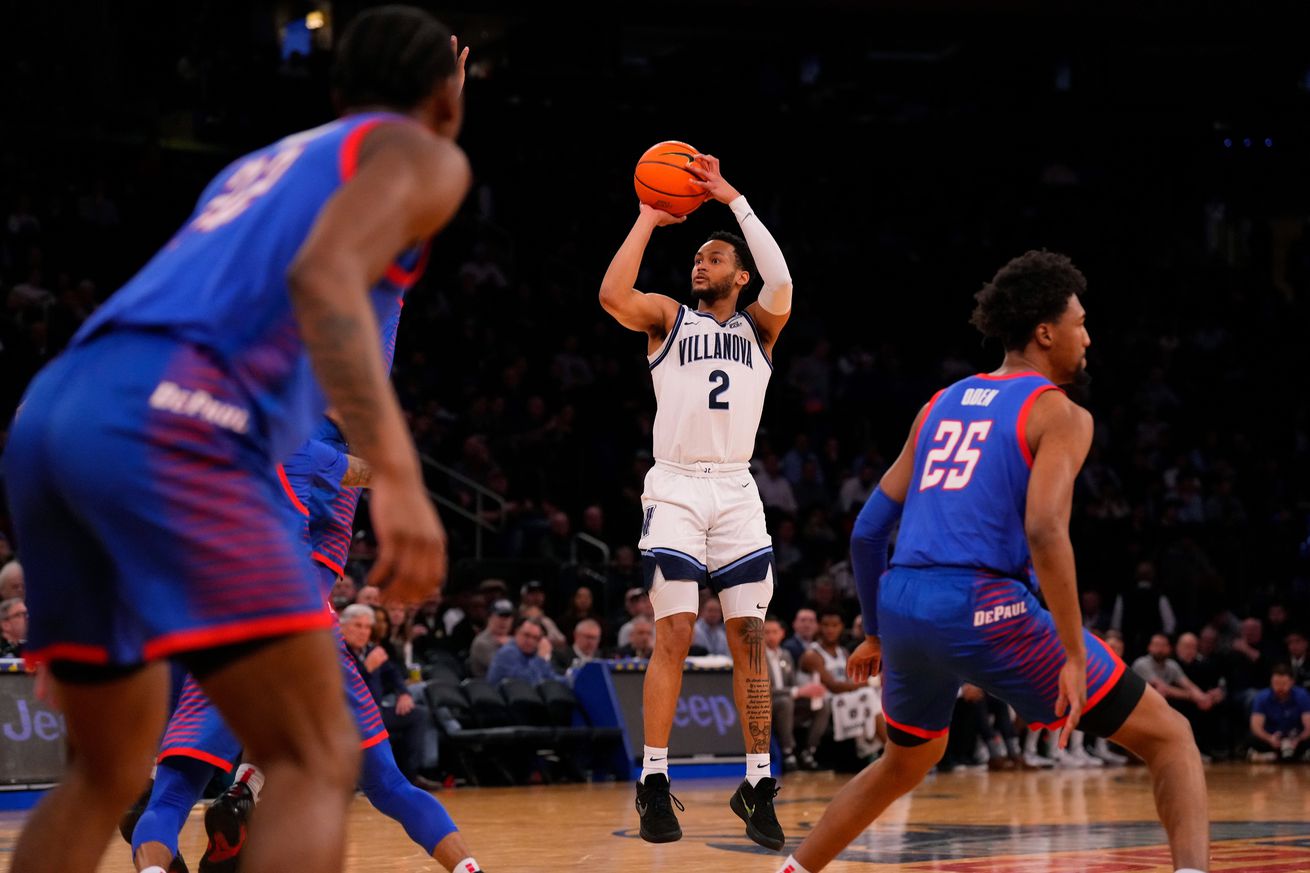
(945, 465)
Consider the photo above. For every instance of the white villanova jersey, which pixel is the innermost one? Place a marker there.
(710, 380)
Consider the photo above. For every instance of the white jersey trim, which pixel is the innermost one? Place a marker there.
(768, 358)
(654, 361)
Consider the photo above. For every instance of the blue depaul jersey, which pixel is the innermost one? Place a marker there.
(220, 282)
(969, 491)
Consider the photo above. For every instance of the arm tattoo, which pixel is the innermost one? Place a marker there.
(342, 351)
(358, 473)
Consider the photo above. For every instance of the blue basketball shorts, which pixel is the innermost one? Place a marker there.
(148, 511)
(942, 627)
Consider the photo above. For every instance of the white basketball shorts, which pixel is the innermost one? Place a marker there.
(704, 523)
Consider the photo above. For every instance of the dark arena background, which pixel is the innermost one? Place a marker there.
(900, 152)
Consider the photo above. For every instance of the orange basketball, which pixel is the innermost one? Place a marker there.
(662, 179)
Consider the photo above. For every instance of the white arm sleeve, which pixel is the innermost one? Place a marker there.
(775, 296)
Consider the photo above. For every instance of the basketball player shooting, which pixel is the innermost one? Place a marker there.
(985, 482)
(703, 520)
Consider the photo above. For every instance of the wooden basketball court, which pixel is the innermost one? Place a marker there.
(1099, 821)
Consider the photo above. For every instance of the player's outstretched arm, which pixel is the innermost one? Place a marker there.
(1060, 435)
(408, 185)
(652, 314)
(773, 307)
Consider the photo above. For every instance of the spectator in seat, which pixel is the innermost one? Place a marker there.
(641, 639)
(709, 632)
(1248, 668)
(586, 647)
(1143, 610)
(369, 595)
(386, 683)
(1297, 646)
(582, 605)
(1208, 724)
(525, 656)
(460, 636)
(1166, 676)
(1273, 633)
(638, 605)
(13, 627)
(805, 628)
(787, 691)
(11, 580)
(533, 594)
(500, 625)
(1280, 719)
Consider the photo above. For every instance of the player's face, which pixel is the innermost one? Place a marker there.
(1069, 342)
(714, 272)
(832, 628)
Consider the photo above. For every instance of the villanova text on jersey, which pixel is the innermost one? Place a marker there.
(718, 346)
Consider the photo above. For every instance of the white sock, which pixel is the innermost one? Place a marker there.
(468, 865)
(154, 870)
(1188, 870)
(253, 777)
(654, 760)
(757, 767)
(791, 865)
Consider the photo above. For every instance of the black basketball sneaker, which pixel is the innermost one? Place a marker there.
(754, 805)
(225, 824)
(655, 805)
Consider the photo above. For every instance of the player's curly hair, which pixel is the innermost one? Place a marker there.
(740, 250)
(392, 56)
(1031, 289)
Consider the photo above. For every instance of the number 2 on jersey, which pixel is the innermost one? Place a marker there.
(721, 379)
(950, 432)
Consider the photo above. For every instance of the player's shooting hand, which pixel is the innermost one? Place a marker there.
(865, 661)
(659, 216)
(1072, 696)
(706, 170)
(411, 562)
(460, 58)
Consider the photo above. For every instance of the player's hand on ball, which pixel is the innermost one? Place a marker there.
(411, 562)
(865, 661)
(1072, 696)
(706, 170)
(661, 218)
